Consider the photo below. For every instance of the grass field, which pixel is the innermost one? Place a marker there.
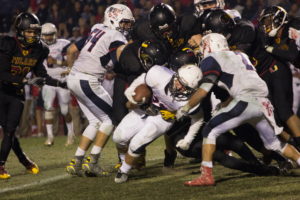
(151, 183)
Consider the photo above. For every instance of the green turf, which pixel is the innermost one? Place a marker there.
(150, 183)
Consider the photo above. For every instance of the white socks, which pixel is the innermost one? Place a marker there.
(79, 152)
(125, 168)
(70, 129)
(96, 150)
(207, 164)
(49, 128)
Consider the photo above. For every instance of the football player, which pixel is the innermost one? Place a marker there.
(272, 51)
(19, 55)
(98, 55)
(138, 129)
(248, 103)
(56, 68)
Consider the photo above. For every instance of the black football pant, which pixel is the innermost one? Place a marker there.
(227, 141)
(10, 113)
(279, 81)
(119, 100)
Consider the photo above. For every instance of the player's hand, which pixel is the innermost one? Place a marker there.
(167, 115)
(294, 34)
(182, 111)
(51, 60)
(37, 81)
(129, 95)
(183, 144)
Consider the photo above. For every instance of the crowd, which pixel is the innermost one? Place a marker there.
(74, 18)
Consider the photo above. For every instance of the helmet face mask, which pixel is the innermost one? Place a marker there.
(49, 32)
(272, 19)
(185, 82)
(201, 5)
(28, 29)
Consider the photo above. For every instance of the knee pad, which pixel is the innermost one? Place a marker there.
(117, 137)
(90, 132)
(48, 115)
(64, 109)
(277, 146)
(106, 128)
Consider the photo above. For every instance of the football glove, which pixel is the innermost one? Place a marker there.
(182, 111)
(183, 144)
(167, 115)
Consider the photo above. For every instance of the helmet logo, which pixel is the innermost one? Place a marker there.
(25, 52)
(114, 12)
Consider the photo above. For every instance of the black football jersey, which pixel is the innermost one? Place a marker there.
(17, 62)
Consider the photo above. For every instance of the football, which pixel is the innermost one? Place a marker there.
(142, 92)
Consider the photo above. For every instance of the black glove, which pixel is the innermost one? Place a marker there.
(62, 85)
(37, 81)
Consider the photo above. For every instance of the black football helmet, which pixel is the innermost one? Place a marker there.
(152, 53)
(28, 22)
(163, 22)
(272, 19)
(182, 57)
(217, 21)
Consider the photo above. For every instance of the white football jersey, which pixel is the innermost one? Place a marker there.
(56, 52)
(158, 78)
(94, 57)
(235, 73)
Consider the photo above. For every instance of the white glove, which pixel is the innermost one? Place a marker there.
(129, 95)
(182, 111)
(37, 81)
(183, 144)
(294, 34)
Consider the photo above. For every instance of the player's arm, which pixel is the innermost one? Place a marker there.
(196, 123)
(40, 71)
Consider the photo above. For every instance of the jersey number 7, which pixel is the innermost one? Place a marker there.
(93, 38)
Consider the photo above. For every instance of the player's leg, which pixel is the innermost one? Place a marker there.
(225, 119)
(49, 93)
(127, 128)
(154, 127)
(64, 98)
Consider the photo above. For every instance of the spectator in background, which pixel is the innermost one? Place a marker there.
(100, 13)
(76, 36)
(43, 12)
(250, 9)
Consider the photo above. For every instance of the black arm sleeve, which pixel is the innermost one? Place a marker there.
(113, 50)
(80, 44)
(288, 52)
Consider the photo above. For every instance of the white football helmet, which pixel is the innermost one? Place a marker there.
(49, 32)
(213, 42)
(189, 77)
(201, 5)
(117, 14)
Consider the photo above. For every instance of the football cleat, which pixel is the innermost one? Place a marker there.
(49, 142)
(205, 179)
(91, 168)
(121, 177)
(32, 168)
(3, 173)
(75, 168)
